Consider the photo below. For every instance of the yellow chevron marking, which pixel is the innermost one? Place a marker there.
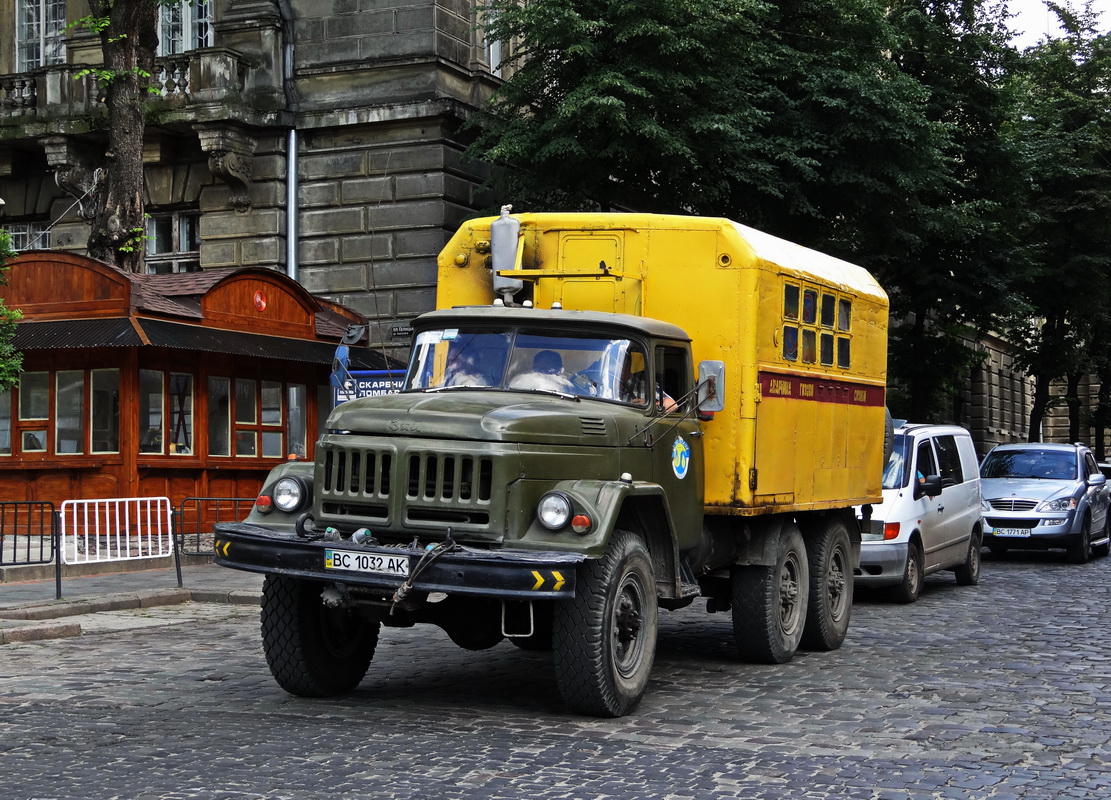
(539, 580)
(559, 581)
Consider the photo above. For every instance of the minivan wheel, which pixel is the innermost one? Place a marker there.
(968, 573)
(908, 589)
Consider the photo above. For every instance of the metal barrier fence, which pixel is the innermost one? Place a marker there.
(118, 529)
(26, 533)
(121, 529)
(196, 517)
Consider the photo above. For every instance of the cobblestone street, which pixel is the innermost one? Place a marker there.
(994, 691)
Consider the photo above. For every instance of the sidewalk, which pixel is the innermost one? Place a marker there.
(30, 612)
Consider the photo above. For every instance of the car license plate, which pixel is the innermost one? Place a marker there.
(367, 562)
(1011, 532)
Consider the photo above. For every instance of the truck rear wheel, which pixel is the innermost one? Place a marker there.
(605, 637)
(769, 603)
(313, 650)
(831, 586)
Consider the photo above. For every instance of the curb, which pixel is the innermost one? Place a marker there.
(37, 623)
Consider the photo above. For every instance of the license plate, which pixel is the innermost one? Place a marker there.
(1024, 532)
(352, 561)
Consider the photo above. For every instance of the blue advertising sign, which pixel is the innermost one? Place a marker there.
(366, 383)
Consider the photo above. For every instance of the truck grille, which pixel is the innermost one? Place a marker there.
(388, 486)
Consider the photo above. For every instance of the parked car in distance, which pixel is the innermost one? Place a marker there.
(930, 517)
(1041, 496)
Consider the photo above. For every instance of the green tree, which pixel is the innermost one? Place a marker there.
(643, 104)
(958, 280)
(128, 31)
(11, 361)
(1064, 134)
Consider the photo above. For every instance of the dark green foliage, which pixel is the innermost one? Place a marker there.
(905, 135)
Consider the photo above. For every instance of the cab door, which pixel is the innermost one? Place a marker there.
(929, 511)
(676, 435)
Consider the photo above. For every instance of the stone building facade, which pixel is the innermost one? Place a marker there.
(317, 137)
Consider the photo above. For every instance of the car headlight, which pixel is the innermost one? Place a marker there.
(554, 510)
(289, 494)
(1057, 504)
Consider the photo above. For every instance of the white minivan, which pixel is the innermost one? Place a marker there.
(930, 518)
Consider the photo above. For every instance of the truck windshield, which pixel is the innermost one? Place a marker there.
(567, 363)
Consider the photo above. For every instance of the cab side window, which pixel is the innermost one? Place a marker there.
(1091, 465)
(949, 461)
(673, 377)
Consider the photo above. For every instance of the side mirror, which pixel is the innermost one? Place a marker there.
(929, 486)
(711, 386)
(1097, 480)
(340, 365)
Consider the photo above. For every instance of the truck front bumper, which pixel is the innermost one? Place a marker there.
(507, 574)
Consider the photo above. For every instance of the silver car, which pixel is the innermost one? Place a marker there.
(1041, 495)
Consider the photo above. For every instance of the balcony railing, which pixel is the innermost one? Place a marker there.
(212, 75)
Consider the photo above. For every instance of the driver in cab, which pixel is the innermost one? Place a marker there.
(546, 374)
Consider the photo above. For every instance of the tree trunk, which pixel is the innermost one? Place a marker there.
(1038, 406)
(1072, 398)
(128, 44)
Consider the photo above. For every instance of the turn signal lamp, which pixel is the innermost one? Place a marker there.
(263, 504)
(890, 530)
(580, 523)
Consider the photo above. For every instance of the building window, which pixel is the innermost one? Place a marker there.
(151, 410)
(69, 412)
(181, 414)
(104, 411)
(40, 33)
(295, 430)
(184, 26)
(173, 243)
(250, 419)
(57, 404)
(219, 416)
(29, 235)
(5, 423)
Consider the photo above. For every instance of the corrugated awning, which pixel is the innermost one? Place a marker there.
(121, 332)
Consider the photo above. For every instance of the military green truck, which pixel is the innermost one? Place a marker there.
(609, 415)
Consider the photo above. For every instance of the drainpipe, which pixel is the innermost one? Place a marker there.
(292, 209)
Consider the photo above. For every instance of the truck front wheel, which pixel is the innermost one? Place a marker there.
(831, 586)
(313, 650)
(769, 603)
(605, 637)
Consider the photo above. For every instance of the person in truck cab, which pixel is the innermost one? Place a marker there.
(634, 386)
(463, 370)
(546, 374)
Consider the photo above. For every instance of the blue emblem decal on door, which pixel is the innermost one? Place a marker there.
(680, 458)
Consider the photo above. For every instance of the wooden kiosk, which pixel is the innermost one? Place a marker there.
(182, 385)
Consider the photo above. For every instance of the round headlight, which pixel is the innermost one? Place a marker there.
(288, 494)
(553, 510)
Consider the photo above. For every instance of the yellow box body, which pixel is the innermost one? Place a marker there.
(801, 433)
